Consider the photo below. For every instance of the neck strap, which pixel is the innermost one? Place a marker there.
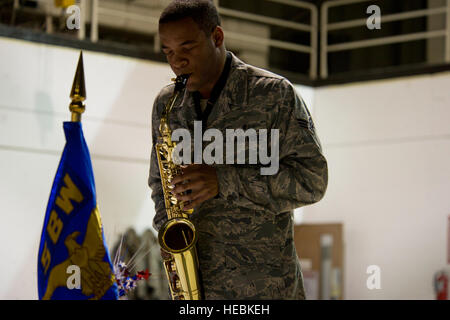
(215, 93)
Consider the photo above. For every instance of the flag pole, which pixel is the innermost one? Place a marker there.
(78, 92)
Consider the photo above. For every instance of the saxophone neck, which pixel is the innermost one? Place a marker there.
(180, 83)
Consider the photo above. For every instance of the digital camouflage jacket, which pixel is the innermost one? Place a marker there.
(245, 234)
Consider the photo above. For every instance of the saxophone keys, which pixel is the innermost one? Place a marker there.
(173, 200)
(173, 267)
(178, 287)
(182, 206)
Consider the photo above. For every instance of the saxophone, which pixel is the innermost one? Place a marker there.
(177, 237)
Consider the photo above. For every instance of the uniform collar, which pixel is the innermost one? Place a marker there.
(233, 96)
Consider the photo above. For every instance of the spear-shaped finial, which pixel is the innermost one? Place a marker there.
(78, 93)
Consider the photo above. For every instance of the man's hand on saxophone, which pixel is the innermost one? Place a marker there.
(201, 179)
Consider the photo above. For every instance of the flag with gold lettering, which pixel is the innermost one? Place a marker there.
(73, 260)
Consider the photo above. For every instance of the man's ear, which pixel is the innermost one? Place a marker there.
(218, 36)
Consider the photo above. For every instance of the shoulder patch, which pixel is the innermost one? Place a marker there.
(302, 115)
(307, 124)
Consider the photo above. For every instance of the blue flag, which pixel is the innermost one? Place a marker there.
(73, 260)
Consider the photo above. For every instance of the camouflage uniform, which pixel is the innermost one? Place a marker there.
(245, 247)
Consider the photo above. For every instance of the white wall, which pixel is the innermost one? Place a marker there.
(387, 145)
(388, 149)
(35, 85)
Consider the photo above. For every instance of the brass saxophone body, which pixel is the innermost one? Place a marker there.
(177, 237)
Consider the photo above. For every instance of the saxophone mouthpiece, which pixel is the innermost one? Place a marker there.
(180, 81)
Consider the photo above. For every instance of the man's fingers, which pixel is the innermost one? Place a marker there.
(182, 187)
(200, 179)
(191, 185)
(200, 199)
(201, 194)
(195, 182)
(193, 196)
(185, 176)
(189, 172)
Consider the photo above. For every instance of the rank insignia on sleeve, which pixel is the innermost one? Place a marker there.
(307, 124)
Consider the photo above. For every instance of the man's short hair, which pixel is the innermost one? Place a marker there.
(203, 12)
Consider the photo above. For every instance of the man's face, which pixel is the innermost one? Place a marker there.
(190, 51)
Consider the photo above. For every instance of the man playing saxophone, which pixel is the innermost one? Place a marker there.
(244, 219)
